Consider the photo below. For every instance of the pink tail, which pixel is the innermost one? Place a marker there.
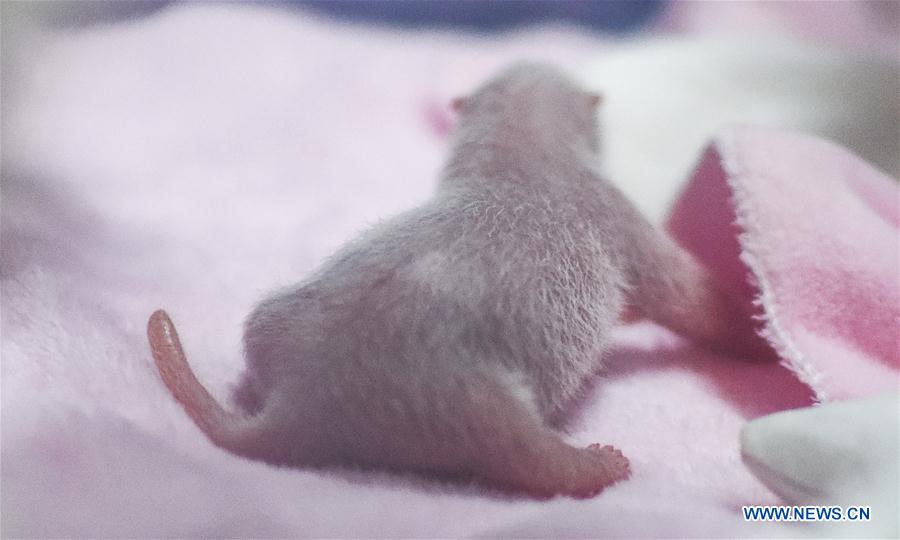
(172, 364)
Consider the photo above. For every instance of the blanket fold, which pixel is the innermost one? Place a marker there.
(805, 235)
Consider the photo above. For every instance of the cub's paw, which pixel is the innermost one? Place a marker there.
(614, 464)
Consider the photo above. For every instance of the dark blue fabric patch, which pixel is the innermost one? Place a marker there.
(491, 15)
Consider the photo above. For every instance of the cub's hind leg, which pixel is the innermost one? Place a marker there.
(479, 428)
(522, 454)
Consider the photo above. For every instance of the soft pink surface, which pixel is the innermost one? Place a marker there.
(199, 158)
(817, 230)
(871, 25)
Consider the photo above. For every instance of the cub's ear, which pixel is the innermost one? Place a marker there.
(594, 100)
(458, 104)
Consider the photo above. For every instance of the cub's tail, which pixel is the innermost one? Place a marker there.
(224, 429)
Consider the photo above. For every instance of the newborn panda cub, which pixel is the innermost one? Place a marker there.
(448, 339)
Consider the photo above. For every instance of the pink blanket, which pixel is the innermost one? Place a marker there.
(816, 230)
(199, 172)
